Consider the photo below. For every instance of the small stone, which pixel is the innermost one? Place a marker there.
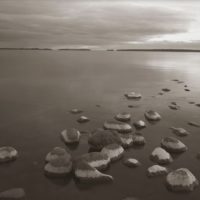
(160, 93)
(198, 104)
(58, 167)
(181, 180)
(83, 119)
(138, 139)
(102, 138)
(126, 139)
(174, 107)
(152, 115)
(187, 90)
(97, 160)
(133, 95)
(139, 124)
(117, 126)
(191, 102)
(7, 154)
(195, 124)
(123, 117)
(179, 131)
(166, 90)
(114, 151)
(160, 156)
(70, 136)
(56, 153)
(180, 81)
(156, 170)
(14, 193)
(173, 145)
(86, 173)
(131, 162)
(76, 111)
(173, 103)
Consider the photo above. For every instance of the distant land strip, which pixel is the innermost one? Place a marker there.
(87, 49)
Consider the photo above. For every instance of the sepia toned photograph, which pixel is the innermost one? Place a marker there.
(99, 99)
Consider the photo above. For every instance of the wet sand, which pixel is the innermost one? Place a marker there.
(38, 88)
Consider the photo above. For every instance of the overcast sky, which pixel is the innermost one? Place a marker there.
(100, 23)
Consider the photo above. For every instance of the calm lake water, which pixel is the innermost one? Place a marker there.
(38, 88)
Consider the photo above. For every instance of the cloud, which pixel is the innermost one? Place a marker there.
(42, 23)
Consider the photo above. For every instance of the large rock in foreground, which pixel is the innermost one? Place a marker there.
(102, 138)
(7, 154)
(14, 193)
(117, 126)
(181, 180)
(70, 136)
(113, 151)
(160, 156)
(152, 115)
(173, 145)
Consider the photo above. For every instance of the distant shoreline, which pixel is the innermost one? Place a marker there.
(70, 49)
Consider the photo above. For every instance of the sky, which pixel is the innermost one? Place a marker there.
(100, 24)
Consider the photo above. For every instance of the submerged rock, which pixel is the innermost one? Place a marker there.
(156, 170)
(126, 140)
(86, 173)
(139, 124)
(179, 131)
(7, 154)
(97, 160)
(83, 119)
(133, 95)
(56, 153)
(160, 156)
(76, 111)
(102, 138)
(138, 139)
(166, 90)
(70, 136)
(123, 117)
(173, 145)
(113, 151)
(195, 124)
(181, 180)
(58, 167)
(152, 115)
(117, 126)
(14, 193)
(131, 162)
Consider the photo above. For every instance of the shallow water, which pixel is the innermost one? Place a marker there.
(38, 88)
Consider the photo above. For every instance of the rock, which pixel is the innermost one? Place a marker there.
(86, 173)
(126, 139)
(191, 102)
(7, 154)
(173, 103)
(160, 93)
(180, 81)
(181, 180)
(187, 90)
(58, 167)
(14, 193)
(175, 80)
(133, 95)
(123, 117)
(102, 138)
(174, 107)
(166, 90)
(76, 111)
(198, 104)
(118, 126)
(152, 115)
(179, 131)
(56, 153)
(97, 160)
(114, 151)
(139, 124)
(133, 106)
(70, 136)
(173, 145)
(195, 124)
(160, 156)
(131, 162)
(138, 139)
(83, 119)
(156, 170)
